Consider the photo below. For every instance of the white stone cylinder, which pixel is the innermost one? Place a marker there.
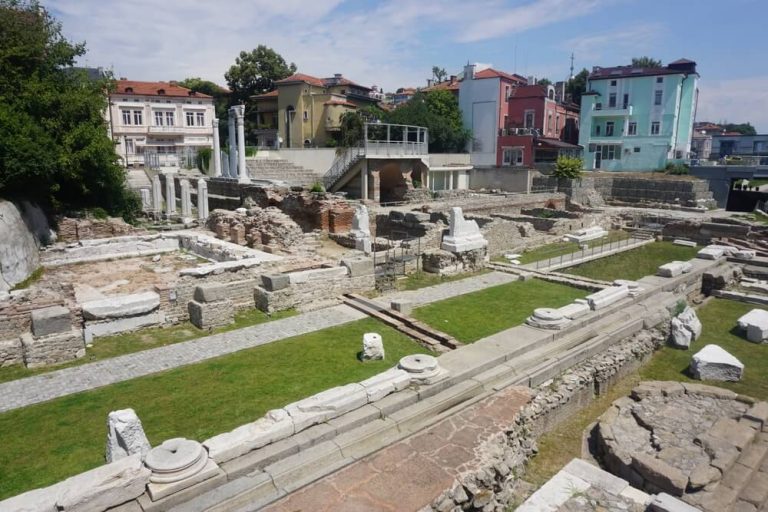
(170, 195)
(186, 199)
(373, 346)
(232, 144)
(202, 200)
(157, 194)
(216, 150)
(242, 172)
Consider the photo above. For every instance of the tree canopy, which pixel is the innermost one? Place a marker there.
(256, 72)
(54, 147)
(439, 112)
(544, 82)
(577, 85)
(439, 74)
(221, 100)
(742, 128)
(645, 62)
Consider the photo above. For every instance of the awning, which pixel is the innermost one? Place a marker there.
(555, 144)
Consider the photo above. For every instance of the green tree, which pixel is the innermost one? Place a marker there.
(439, 112)
(544, 82)
(567, 167)
(645, 62)
(54, 147)
(439, 74)
(742, 128)
(220, 94)
(577, 85)
(256, 72)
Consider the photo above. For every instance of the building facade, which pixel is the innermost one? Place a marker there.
(736, 144)
(538, 127)
(483, 99)
(638, 119)
(159, 124)
(306, 111)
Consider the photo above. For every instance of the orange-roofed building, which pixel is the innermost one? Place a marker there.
(159, 124)
(306, 111)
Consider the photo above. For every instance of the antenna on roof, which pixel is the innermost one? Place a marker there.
(571, 65)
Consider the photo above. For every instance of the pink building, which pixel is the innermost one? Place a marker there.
(538, 126)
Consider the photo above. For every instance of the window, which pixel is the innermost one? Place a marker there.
(200, 117)
(190, 118)
(655, 128)
(557, 123)
(659, 79)
(529, 119)
(657, 97)
(138, 117)
(625, 103)
(512, 157)
(507, 92)
(306, 115)
(130, 148)
(609, 129)
(613, 83)
(597, 130)
(158, 118)
(632, 128)
(608, 152)
(549, 121)
(126, 117)
(612, 100)
(637, 149)
(169, 118)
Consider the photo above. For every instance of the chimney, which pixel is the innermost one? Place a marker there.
(123, 78)
(453, 78)
(429, 82)
(337, 76)
(469, 71)
(531, 80)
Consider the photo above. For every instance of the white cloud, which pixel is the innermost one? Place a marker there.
(535, 13)
(736, 101)
(634, 39)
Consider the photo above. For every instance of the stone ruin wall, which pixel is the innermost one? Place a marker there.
(72, 230)
(629, 190)
(491, 485)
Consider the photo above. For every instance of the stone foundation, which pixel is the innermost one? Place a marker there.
(442, 262)
(11, 352)
(52, 349)
(204, 315)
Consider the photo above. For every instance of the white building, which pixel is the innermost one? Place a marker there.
(159, 124)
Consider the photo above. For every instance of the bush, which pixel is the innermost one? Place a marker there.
(568, 167)
(317, 187)
(677, 169)
(416, 184)
(204, 159)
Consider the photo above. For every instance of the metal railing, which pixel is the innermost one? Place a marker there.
(342, 163)
(587, 251)
(395, 148)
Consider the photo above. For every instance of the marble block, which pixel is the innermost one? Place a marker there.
(464, 235)
(674, 269)
(607, 296)
(714, 363)
(125, 435)
(381, 385)
(277, 424)
(121, 306)
(373, 347)
(326, 405)
(586, 234)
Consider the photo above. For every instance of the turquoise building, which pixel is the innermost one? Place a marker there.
(638, 119)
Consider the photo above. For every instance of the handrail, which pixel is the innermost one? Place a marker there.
(341, 165)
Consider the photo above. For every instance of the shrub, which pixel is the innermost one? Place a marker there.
(677, 169)
(568, 167)
(317, 187)
(416, 184)
(204, 159)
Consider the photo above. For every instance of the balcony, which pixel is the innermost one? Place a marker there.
(518, 131)
(600, 110)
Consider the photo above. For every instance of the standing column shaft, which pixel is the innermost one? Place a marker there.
(216, 150)
(242, 172)
(232, 144)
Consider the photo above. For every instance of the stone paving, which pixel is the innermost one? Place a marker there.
(48, 386)
(409, 474)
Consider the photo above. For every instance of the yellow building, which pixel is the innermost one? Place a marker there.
(305, 111)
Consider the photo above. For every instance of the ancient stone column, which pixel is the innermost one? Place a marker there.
(242, 172)
(202, 200)
(232, 173)
(186, 199)
(146, 201)
(216, 150)
(170, 195)
(157, 194)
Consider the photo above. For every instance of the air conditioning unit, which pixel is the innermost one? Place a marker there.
(598, 106)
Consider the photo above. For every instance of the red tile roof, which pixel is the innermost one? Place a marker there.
(678, 67)
(446, 85)
(337, 101)
(155, 88)
(266, 95)
(494, 73)
(301, 77)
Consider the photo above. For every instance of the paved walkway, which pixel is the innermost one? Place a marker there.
(48, 386)
(590, 254)
(408, 475)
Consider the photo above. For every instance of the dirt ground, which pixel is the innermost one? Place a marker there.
(118, 277)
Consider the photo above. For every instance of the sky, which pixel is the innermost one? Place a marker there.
(395, 43)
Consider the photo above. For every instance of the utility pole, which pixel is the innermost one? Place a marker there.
(571, 65)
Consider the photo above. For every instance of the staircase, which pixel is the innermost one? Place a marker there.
(339, 172)
(281, 170)
(137, 178)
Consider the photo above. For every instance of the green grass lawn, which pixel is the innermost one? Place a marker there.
(718, 317)
(423, 279)
(47, 442)
(121, 344)
(557, 249)
(633, 264)
(479, 314)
